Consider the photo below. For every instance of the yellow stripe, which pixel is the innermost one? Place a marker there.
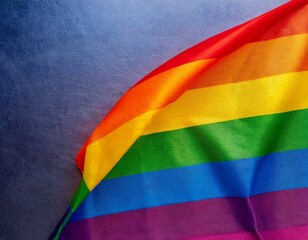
(267, 95)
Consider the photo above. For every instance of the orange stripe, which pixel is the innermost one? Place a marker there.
(153, 94)
(257, 60)
(282, 55)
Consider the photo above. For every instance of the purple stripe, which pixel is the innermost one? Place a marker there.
(294, 233)
(298, 233)
(274, 210)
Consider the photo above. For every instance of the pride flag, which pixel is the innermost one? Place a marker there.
(213, 144)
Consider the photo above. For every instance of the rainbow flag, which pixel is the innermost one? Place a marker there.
(213, 144)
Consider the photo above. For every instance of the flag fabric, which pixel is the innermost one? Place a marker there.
(213, 144)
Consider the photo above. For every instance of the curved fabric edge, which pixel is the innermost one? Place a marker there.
(273, 210)
(275, 14)
(300, 2)
(241, 178)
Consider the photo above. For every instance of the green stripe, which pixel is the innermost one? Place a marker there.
(231, 140)
(79, 195)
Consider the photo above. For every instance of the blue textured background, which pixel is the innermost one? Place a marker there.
(63, 65)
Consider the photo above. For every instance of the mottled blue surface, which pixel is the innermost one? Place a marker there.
(63, 64)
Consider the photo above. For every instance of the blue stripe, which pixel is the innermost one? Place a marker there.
(240, 178)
